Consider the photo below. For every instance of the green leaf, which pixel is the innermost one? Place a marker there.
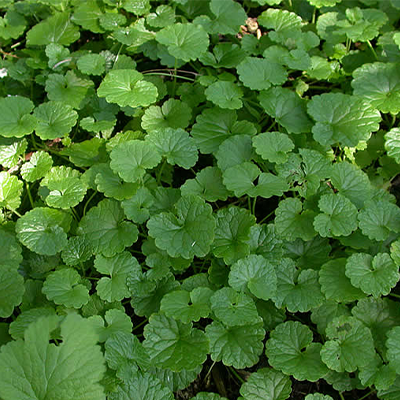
(12, 25)
(105, 229)
(378, 83)
(131, 159)
(338, 217)
(373, 275)
(77, 251)
(187, 306)
(127, 87)
(287, 108)
(392, 144)
(37, 167)
(11, 255)
(264, 241)
(63, 287)
(296, 291)
(123, 350)
(112, 185)
(16, 119)
(214, 125)
(86, 153)
(237, 346)
(318, 396)
(142, 386)
(229, 16)
(266, 384)
(66, 189)
(11, 151)
(232, 233)
(273, 146)
(163, 16)
(233, 308)
(207, 184)
(173, 114)
(55, 29)
(87, 14)
(378, 219)
(208, 396)
(292, 222)
(335, 284)
(12, 284)
(393, 348)
(118, 267)
(256, 274)
(37, 369)
(175, 145)
(380, 315)
(116, 322)
(92, 64)
(68, 89)
(10, 191)
(184, 41)
(43, 230)
(137, 207)
(261, 73)
(240, 179)
(224, 94)
(349, 345)
(233, 151)
(290, 349)
(174, 345)
(224, 55)
(186, 232)
(350, 181)
(343, 119)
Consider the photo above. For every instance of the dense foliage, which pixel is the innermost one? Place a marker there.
(198, 199)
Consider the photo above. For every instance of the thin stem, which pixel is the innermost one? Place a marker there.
(249, 203)
(253, 210)
(174, 82)
(341, 396)
(34, 144)
(394, 295)
(236, 374)
(368, 394)
(159, 175)
(209, 371)
(29, 194)
(314, 15)
(74, 214)
(170, 70)
(139, 325)
(372, 50)
(15, 212)
(170, 75)
(88, 201)
(265, 218)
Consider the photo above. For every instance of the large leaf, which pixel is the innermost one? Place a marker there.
(174, 345)
(105, 228)
(187, 232)
(35, 369)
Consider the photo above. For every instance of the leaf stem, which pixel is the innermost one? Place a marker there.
(372, 50)
(159, 175)
(341, 396)
(15, 212)
(253, 210)
(266, 217)
(236, 374)
(139, 325)
(394, 295)
(368, 394)
(88, 201)
(28, 190)
(209, 371)
(175, 75)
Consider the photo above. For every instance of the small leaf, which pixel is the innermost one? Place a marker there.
(291, 350)
(273, 146)
(127, 88)
(63, 287)
(43, 230)
(16, 120)
(266, 384)
(237, 346)
(224, 94)
(37, 167)
(10, 191)
(373, 275)
(184, 41)
(174, 345)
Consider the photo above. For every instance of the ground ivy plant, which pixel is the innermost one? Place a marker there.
(198, 199)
